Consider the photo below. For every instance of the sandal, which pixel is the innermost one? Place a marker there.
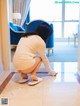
(32, 83)
(18, 79)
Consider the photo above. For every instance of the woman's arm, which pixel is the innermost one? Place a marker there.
(42, 53)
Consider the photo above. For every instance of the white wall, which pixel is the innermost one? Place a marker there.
(1, 65)
(4, 37)
(10, 10)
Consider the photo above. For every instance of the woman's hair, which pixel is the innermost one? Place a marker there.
(44, 30)
(29, 34)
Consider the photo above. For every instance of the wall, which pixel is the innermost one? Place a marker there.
(4, 37)
(1, 65)
(10, 10)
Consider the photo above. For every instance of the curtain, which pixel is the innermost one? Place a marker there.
(21, 7)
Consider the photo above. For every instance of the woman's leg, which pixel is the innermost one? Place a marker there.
(32, 70)
(33, 73)
(24, 76)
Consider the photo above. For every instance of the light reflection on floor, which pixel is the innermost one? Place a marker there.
(66, 71)
(52, 91)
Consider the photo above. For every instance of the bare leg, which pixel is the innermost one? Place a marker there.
(32, 70)
(33, 73)
(24, 76)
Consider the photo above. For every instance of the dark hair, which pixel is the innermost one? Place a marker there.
(44, 30)
(29, 34)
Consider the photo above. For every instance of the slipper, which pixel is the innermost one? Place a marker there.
(32, 83)
(18, 79)
(21, 81)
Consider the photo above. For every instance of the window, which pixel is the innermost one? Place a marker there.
(57, 29)
(71, 18)
(51, 11)
(70, 28)
(72, 10)
(42, 9)
(57, 11)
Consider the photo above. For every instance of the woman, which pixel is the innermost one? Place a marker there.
(25, 59)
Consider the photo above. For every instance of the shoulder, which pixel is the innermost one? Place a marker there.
(40, 40)
(42, 44)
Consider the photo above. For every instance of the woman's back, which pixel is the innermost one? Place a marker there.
(27, 49)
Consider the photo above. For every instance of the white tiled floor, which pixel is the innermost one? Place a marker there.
(64, 90)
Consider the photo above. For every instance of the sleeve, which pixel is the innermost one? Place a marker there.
(42, 53)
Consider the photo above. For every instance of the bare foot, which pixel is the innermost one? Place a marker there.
(24, 76)
(33, 78)
(53, 73)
